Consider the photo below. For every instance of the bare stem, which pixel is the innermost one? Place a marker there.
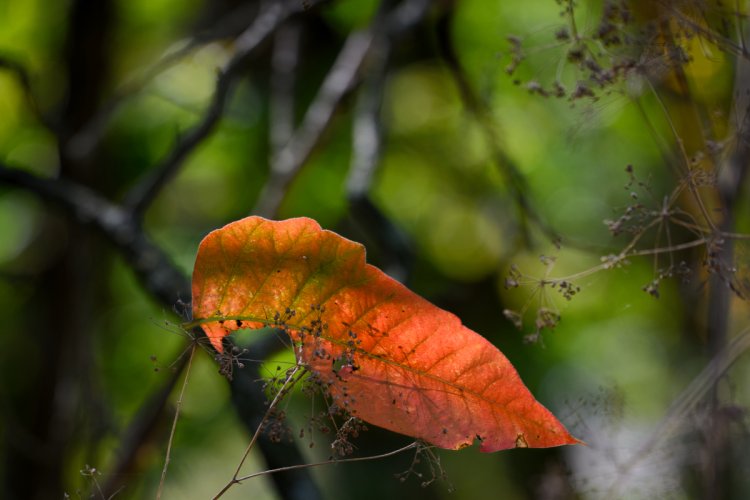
(410, 446)
(174, 423)
(685, 158)
(290, 380)
(688, 399)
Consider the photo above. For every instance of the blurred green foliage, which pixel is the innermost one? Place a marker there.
(611, 367)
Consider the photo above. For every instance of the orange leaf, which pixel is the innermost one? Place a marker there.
(387, 355)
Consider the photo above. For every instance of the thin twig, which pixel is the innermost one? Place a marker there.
(611, 262)
(290, 380)
(367, 132)
(408, 447)
(711, 35)
(687, 173)
(178, 407)
(136, 435)
(701, 385)
(250, 404)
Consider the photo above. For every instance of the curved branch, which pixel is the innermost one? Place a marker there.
(289, 160)
(340, 80)
(152, 266)
(85, 141)
(268, 20)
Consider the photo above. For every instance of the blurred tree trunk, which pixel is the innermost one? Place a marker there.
(60, 397)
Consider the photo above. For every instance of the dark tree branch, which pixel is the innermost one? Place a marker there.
(165, 282)
(367, 146)
(404, 17)
(367, 133)
(283, 74)
(339, 81)
(19, 70)
(59, 402)
(287, 163)
(151, 265)
(268, 20)
(731, 182)
(473, 103)
(82, 145)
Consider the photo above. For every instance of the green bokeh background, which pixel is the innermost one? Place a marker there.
(610, 369)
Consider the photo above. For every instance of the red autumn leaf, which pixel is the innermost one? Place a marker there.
(387, 355)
